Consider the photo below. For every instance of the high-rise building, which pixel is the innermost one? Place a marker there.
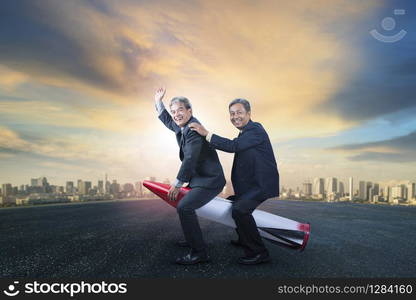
(388, 194)
(7, 193)
(318, 186)
(139, 189)
(44, 181)
(411, 193)
(87, 187)
(376, 189)
(7, 190)
(307, 189)
(368, 187)
(35, 182)
(331, 185)
(362, 190)
(128, 188)
(107, 187)
(79, 185)
(54, 189)
(69, 187)
(381, 192)
(341, 189)
(397, 192)
(370, 194)
(100, 187)
(107, 184)
(84, 187)
(114, 188)
(40, 185)
(351, 188)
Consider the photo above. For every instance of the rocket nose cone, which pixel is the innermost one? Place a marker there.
(156, 187)
(159, 189)
(150, 185)
(162, 189)
(147, 184)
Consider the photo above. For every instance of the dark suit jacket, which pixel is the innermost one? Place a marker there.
(254, 167)
(200, 164)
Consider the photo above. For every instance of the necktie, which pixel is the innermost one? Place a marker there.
(182, 139)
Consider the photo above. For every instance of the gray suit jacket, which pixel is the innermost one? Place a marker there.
(200, 164)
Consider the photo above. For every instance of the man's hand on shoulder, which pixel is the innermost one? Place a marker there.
(198, 128)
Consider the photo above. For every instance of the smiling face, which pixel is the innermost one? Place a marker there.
(239, 116)
(180, 113)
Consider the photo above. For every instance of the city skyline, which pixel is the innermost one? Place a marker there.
(319, 185)
(77, 80)
(329, 189)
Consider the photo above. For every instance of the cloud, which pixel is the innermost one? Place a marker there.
(104, 118)
(406, 67)
(65, 45)
(128, 157)
(398, 149)
(9, 79)
(366, 98)
(384, 157)
(11, 140)
(6, 155)
(69, 149)
(277, 54)
(385, 83)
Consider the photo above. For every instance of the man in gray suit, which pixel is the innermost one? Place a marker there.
(200, 168)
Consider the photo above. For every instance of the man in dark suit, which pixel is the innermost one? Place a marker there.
(200, 168)
(254, 176)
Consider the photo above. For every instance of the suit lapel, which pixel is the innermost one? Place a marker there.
(180, 136)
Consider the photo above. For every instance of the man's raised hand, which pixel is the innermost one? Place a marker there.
(159, 94)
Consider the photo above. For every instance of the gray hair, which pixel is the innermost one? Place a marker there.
(183, 100)
(242, 101)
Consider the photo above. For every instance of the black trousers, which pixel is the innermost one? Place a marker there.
(242, 209)
(194, 199)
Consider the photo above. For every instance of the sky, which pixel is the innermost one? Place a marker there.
(77, 80)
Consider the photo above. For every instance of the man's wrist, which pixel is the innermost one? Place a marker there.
(177, 183)
(208, 137)
(159, 107)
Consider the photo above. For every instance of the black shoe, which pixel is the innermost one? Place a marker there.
(182, 244)
(255, 259)
(193, 258)
(236, 243)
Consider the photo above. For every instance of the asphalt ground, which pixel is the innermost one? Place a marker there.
(135, 239)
